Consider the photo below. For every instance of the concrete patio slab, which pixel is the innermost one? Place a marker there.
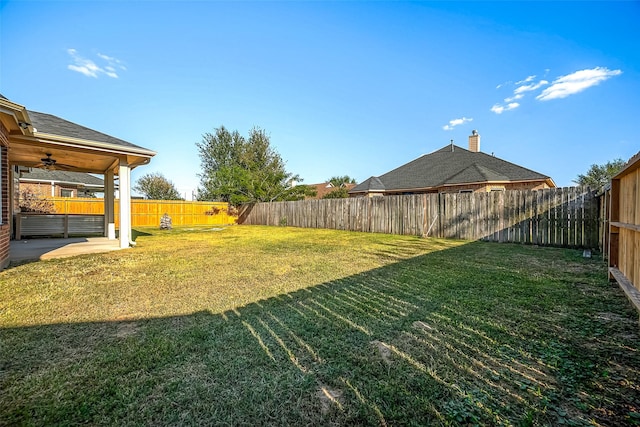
(40, 249)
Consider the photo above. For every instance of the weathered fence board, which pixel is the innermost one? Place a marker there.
(623, 199)
(566, 217)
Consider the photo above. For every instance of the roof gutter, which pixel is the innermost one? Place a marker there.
(20, 113)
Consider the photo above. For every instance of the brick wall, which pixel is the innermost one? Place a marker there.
(44, 189)
(4, 199)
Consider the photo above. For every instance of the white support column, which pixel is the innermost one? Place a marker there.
(109, 205)
(124, 173)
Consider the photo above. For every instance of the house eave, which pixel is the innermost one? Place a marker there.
(548, 181)
(435, 188)
(85, 143)
(370, 190)
(55, 181)
(21, 122)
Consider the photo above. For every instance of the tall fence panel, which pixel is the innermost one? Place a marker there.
(147, 213)
(566, 217)
(624, 229)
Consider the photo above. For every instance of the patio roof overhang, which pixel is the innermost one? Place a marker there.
(28, 146)
(75, 154)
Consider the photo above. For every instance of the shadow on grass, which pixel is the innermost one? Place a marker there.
(451, 337)
(138, 233)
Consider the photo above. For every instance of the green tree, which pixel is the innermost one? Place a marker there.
(339, 181)
(241, 170)
(31, 202)
(599, 175)
(340, 191)
(155, 186)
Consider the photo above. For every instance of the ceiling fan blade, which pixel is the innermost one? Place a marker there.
(31, 164)
(63, 167)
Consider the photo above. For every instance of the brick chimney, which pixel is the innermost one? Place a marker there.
(474, 141)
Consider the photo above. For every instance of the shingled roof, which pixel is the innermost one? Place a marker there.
(325, 188)
(66, 177)
(450, 165)
(48, 123)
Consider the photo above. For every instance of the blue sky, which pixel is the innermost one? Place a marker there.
(344, 88)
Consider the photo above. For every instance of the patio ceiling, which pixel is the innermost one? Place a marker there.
(70, 157)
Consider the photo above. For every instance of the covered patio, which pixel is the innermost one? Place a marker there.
(40, 140)
(40, 249)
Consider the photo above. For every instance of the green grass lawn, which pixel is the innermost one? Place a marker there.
(282, 326)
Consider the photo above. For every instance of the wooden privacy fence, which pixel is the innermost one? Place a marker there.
(566, 217)
(623, 206)
(147, 213)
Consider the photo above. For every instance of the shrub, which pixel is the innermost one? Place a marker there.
(31, 202)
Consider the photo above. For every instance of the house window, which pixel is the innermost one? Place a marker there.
(66, 193)
(466, 191)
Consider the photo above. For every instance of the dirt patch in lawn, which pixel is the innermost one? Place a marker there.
(329, 397)
(383, 350)
(125, 330)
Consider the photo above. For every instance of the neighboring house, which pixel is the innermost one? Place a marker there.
(32, 139)
(453, 169)
(325, 188)
(46, 183)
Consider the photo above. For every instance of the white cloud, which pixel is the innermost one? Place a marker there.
(576, 82)
(523, 86)
(499, 109)
(90, 69)
(107, 58)
(514, 98)
(456, 122)
(113, 62)
(527, 80)
(531, 87)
